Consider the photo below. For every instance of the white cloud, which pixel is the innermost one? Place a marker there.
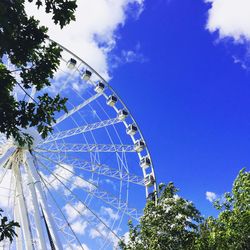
(76, 212)
(71, 213)
(126, 237)
(111, 183)
(79, 226)
(94, 233)
(93, 35)
(60, 174)
(110, 213)
(211, 196)
(129, 56)
(78, 182)
(76, 247)
(230, 18)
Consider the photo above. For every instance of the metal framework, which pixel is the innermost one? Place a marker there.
(79, 130)
(92, 167)
(84, 181)
(70, 147)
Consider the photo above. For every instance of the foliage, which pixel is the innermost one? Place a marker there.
(172, 223)
(7, 228)
(231, 230)
(34, 60)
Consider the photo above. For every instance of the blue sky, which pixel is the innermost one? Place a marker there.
(189, 97)
(182, 69)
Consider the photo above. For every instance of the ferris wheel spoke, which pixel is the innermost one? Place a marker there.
(103, 196)
(76, 197)
(79, 130)
(67, 202)
(70, 147)
(75, 109)
(77, 181)
(100, 169)
(91, 185)
(61, 212)
(4, 159)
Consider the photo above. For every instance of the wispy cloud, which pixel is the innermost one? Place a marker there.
(75, 211)
(231, 20)
(79, 226)
(110, 213)
(128, 56)
(94, 33)
(211, 196)
(111, 183)
(76, 247)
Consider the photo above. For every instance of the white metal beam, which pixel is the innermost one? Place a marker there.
(75, 109)
(94, 216)
(38, 218)
(79, 130)
(102, 195)
(18, 239)
(23, 210)
(70, 147)
(44, 204)
(6, 156)
(101, 169)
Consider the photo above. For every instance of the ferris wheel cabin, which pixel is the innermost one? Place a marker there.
(122, 114)
(99, 87)
(71, 63)
(86, 75)
(112, 100)
(139, 145)
(149, 180)
(131, 129)
(145, 162)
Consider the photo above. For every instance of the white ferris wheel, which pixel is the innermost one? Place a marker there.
(77, 188)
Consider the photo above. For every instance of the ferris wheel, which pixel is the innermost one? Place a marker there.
(78, 187)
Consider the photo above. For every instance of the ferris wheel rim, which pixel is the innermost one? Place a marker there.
(124, 105)
(130, 179)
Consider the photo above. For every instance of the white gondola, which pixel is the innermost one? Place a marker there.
(71, 63)
(122, 114)
(99, 87)
(145, 162)
(131, 129)
(86, 75)
(149, 180)
(139, 145)
(112, 100)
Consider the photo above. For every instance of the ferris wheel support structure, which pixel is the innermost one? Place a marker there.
(19, 158)
(34, 175)
(96, 151)
(126, 125)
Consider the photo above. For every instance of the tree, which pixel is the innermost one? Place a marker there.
(172, 223)
(24, 43)
(231, 230)
(7, 228)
